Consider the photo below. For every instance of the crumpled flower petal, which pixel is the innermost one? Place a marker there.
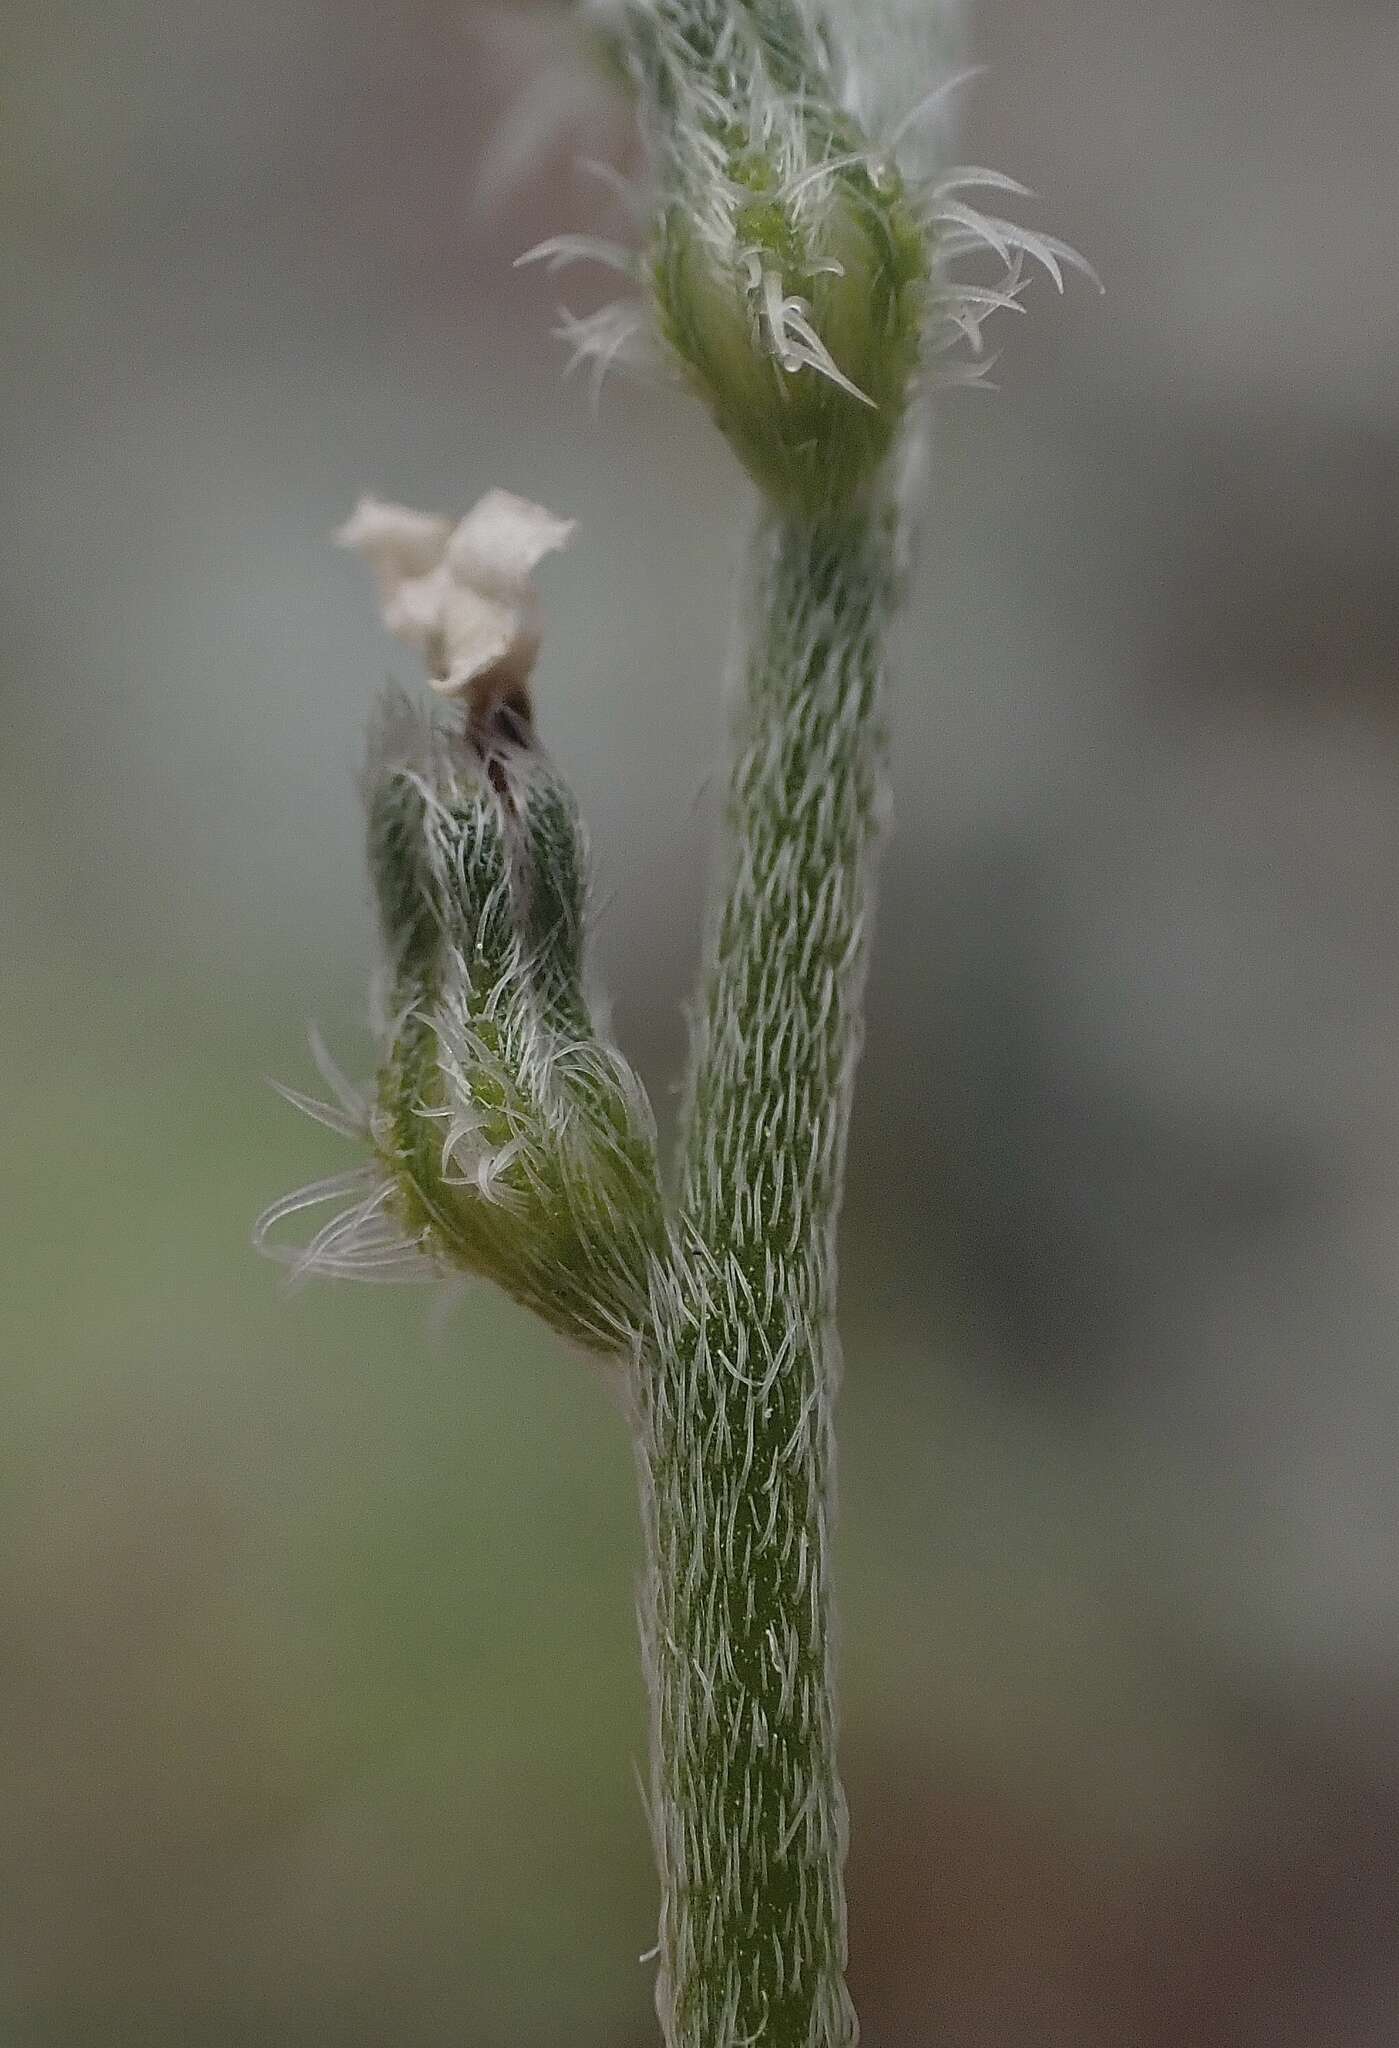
(462, 596)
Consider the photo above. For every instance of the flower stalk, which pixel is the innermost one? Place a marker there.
(736, 1384)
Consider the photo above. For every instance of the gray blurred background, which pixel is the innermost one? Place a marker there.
(319, 1699)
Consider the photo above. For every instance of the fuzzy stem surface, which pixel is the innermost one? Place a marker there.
(736, 1387)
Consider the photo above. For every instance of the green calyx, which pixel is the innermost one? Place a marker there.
(797, 315)
(518, 1144)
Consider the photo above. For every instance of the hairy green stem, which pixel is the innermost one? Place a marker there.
(796, 270)
(736, 1385)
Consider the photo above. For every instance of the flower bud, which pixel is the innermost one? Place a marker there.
(508, 1138)
(788, 265)
(797, 314)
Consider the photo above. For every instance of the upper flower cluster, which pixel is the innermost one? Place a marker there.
(804, 259)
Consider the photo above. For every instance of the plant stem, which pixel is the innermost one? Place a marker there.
(736, 1387)
(796, 271)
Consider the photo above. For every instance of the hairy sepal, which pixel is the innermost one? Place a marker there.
(788, 268)
(518, 1143)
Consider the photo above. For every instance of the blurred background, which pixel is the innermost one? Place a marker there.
(319, 1698)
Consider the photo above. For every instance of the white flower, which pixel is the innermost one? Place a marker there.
(463, 595)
